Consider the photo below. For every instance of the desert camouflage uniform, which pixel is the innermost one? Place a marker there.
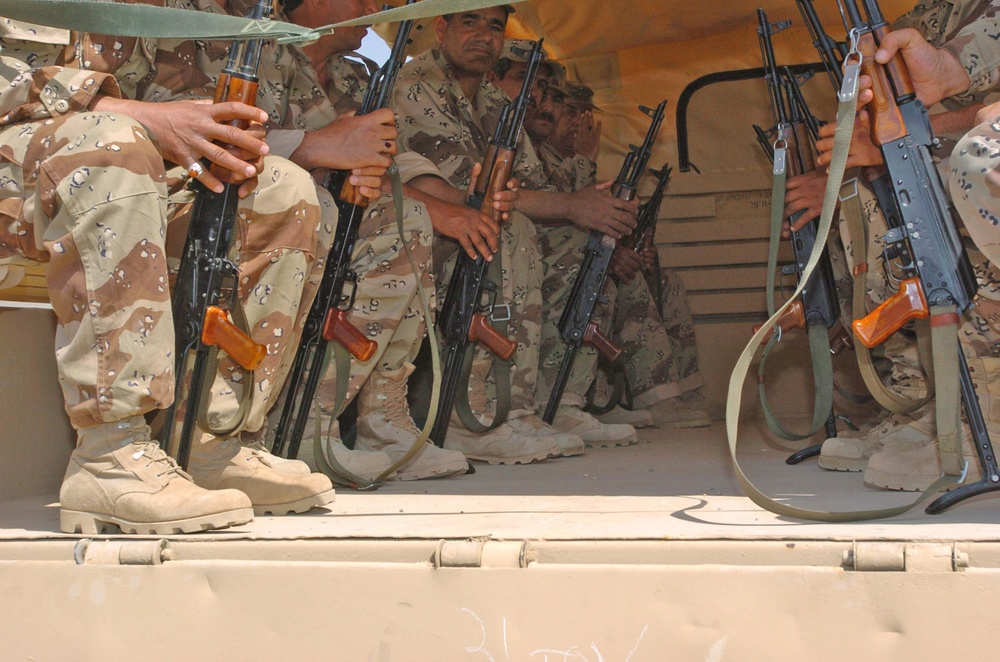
(349, 75)
(386, 307)
(567, 174)
(656, 348)
(435, 119)
(89, 193)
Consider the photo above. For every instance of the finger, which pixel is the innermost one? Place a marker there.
(477, 168)
(235, 110)
(221, 157)
(468, 246)
(226, 134)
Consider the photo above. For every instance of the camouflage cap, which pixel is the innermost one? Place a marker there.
(517, 50)
(580, 96)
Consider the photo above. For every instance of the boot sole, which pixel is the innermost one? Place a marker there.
(611, 443)
(522, 459)
(884, 481)
(695, 423)
(430, 475)
(841, 464)
(300, 506)
(74, 521)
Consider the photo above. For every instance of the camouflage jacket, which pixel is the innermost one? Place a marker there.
(349, 76)
(289, 91)
(435, 119)
(968, 29)
(570, 174)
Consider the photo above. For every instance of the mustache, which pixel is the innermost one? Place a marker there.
(547, 117)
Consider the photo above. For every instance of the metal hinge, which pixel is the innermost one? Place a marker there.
(905, 557)
(483, 554)
(118, 552)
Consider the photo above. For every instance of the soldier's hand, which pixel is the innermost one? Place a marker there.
(803, 193)
(369, 181)
(503, 201)
(649, 256)
(625, 264)
(351, 141)
(862, 152)
(935, 72)
(594, 208)
(475, 231)
(588, 139)
(185, 132)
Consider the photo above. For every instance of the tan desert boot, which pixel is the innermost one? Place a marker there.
(637, 418)
(385, 424)
(226, 463)
(119, 477)
(521, 423)
(904, 465)
(679, 413)
(594, 433)
(255, 441)
(850, 450)
(331, 454)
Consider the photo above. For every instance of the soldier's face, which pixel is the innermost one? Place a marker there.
(317, 13)
(513, 80)
(567, 126)
(471, 41)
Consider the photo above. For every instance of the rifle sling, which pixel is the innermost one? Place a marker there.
(325, 460)
(819, 341)
(852, 211)
(501, 368)
(239, 419)
(842, 138)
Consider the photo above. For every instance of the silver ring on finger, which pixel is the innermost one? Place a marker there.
(195, 170)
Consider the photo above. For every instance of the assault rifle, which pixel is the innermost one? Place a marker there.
(575, 325)
(794, 132)
(940, 281)
(206, 290)
(327, 319)
(471, 294)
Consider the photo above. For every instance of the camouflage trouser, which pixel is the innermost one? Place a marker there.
(975, 186)
(95, 206)
(562, 248)
(522, 290)
(387, 307)
(649, 362)
(676, 314)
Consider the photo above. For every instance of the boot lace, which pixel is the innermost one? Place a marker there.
(151, 451)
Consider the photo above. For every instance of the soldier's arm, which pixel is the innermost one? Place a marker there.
(28, 93)
(591, 208)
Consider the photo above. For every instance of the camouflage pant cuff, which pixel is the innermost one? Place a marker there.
(656, 394)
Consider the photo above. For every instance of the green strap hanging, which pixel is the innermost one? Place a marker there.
(139, 20)
(842, 140)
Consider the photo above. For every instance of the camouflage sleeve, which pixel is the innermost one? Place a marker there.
(28, 93)
(977, 47)
(529, 169)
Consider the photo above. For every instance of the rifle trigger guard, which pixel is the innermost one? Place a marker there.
(500, 312)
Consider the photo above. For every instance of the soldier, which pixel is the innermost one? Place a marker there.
(958, 65)
(97, 186)
(447, 112)
(387, 306)
(563, 132)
